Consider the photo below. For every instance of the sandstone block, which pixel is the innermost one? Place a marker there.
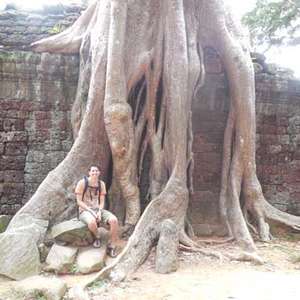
(13, 136)
(13, 176)
(18, 264)
(73, 232)
(19, 148)
(91, 259)
(61, 258)
(1, 148)
(13, 125)
(38, 287)
(8, 162)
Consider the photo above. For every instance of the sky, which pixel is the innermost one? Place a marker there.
(286, 57)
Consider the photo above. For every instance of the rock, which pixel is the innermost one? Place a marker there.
(18, 264)
(25, 223)
(166, 260)
(60, 259)
(91, 260)
(18, 247)
(38, 287)
(4, 220)
(77, 293)
(73, 231)
(258, 68)
(284, 73)
(44, 251)
(258, 57)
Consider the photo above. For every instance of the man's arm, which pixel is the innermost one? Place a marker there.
(78, 192)
(102, 195)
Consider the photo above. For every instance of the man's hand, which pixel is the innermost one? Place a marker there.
(99, 215)
(93, 213)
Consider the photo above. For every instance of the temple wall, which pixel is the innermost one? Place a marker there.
(37, 92)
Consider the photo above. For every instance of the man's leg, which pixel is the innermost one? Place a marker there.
(110, 219)
(113, 226)
(91, 222)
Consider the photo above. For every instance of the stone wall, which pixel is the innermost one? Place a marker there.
(278, 140)
(36, 93)
(18, 29)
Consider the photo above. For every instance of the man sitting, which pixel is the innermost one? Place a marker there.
(90, 195)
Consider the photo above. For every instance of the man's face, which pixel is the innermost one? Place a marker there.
(94, 172)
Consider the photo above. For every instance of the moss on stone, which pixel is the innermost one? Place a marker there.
(4, 220)
(20, 56)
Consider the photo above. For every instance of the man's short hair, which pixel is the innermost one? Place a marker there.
(94, 166)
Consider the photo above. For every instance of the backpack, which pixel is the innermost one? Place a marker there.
(86, 185)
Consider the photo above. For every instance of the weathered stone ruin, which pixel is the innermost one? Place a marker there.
(37, 91)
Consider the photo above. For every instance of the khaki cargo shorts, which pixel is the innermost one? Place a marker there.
(86, 217)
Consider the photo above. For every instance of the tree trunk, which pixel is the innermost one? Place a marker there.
(141, 65)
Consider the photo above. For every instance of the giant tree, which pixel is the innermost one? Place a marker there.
(141, 64)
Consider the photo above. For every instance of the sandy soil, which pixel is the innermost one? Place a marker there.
(201, 277)
(204, 278)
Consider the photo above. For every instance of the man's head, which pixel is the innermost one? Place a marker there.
(94, 172)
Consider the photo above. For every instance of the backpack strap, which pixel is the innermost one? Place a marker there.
(86, 184)
(99, 190)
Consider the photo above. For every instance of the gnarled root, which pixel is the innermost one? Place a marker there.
(247, 256)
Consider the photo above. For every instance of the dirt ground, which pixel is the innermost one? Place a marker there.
(201, 277)
(205, 278)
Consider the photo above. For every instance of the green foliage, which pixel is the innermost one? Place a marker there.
(274, 22)
(39, 296)
(73, 269)
(97, 284)
(57, 28)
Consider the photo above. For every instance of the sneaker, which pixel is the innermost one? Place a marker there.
(97, 243)
(111, 251)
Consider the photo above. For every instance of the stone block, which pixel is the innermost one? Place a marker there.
(274, 149)
(19, 148)
(66, 145)
(39, 135)
(13, 125)
(42, 115)
(73, 232)
(3, 198)
(12, 162)
(13, 176)
(13, 189)
(35, 156)
(91, 259)
(61, 258)
(13, 136)
(43, 124)
(4, 208)
(34, 178)
(38, 287)
(12, 200)
(2, 147)
(18, 264)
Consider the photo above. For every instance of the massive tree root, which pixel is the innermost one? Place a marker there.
(140, 67)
